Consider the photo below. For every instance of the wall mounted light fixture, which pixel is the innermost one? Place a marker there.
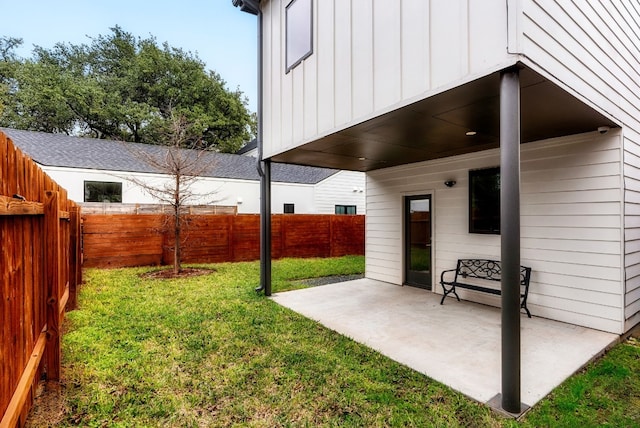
(450, 183)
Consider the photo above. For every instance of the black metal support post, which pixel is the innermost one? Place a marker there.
(265, 228)
(510, 237)
(263, 166)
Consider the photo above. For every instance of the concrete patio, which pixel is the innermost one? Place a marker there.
(457, 343)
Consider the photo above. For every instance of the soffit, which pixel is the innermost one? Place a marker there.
(436, 127)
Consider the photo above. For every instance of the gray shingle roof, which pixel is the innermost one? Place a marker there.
(251, 145)
(61, 150)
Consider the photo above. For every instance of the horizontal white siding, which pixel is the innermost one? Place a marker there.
(571, 224)
(342, 188)
(592, 48)
(370, 56)
(632, 226)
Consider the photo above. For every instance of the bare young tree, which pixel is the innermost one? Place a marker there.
(184, 166)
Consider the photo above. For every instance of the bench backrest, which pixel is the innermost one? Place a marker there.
(487, 269)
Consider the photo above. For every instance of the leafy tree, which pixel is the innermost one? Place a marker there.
(7, 47)
(126, 88)
(8, 65)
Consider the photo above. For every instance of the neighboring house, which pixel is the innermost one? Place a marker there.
(409, 92)
(249, 149)
(95, 170)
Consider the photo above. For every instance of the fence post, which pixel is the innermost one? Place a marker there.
(52, 282)
(74, 256)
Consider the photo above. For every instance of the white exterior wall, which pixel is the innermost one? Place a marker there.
(301, 195)
(225, 191)
(373, 56)
(632, 227)
(592, 48)
(343, 188)
(571, 218)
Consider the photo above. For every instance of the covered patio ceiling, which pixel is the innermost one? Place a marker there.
(436, 127)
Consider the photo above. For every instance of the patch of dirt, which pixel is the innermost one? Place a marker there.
(183, 273)
(313, 282)
(49, 406)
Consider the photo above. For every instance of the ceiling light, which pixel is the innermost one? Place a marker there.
(362, 158)
(471, 133)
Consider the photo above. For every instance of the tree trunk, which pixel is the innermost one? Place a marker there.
(176, 243)
(177, 227)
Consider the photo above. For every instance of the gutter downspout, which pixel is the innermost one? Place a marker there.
(263, 166)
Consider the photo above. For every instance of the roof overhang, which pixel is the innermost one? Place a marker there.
(249, 6)
(437, 126)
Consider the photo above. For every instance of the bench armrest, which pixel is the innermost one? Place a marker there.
(443, 273)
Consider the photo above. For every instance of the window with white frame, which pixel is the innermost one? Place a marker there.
(299, 32)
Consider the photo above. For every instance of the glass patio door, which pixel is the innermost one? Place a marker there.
(417, 221)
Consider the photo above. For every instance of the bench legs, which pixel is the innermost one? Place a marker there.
(452, 289)
(449, 291)
(523, 305)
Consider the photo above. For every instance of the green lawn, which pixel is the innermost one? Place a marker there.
(208, 351)
(420, 258)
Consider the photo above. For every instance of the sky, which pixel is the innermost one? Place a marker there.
(222, 36)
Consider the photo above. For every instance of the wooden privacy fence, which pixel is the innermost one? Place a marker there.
(140, 240)
(40, 266)
(114, 208)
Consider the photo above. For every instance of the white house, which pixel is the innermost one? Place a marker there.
(408, 91)
(95, 170)
(430, 97)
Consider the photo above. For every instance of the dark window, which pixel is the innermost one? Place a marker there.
(484, 201)
(102, 191)
(345, 209)
(289, 208)
(299, 28)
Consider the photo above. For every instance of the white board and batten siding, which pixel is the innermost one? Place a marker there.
(571, 220)
(370, 57)
(592, 49)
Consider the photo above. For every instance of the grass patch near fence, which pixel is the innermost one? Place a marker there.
(209, 351)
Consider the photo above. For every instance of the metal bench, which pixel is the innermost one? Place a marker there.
(484, 270)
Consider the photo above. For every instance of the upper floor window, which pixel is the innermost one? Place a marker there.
(484, 201)
(289, 209)
(299, 27)
(102, 191)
